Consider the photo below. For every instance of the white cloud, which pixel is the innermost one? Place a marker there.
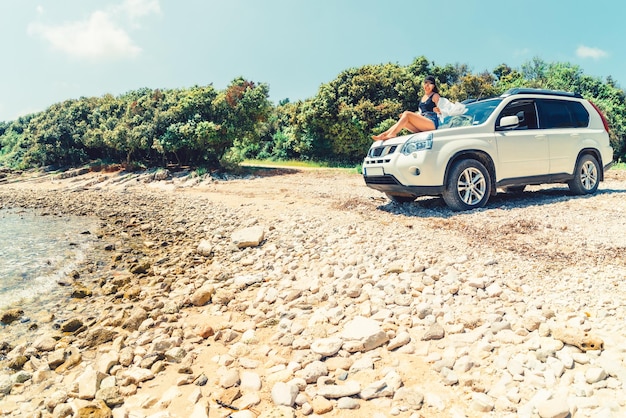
(96, 38)
(589, 52)
(139, 8)
(100, 37)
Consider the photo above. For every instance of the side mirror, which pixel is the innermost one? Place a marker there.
(509, 122)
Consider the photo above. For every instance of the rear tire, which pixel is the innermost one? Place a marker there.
(586, 176)
(468, 186)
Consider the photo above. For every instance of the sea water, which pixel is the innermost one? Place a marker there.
(37, 253)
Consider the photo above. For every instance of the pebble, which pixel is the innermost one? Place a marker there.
(284, 393)
(553, 408)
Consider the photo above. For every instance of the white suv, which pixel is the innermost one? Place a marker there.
(525, 136)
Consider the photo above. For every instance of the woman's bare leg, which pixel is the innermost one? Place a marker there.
(412, 121)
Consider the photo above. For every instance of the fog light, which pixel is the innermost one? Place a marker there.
(415, 171)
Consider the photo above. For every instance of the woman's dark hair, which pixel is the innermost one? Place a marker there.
(430, 79)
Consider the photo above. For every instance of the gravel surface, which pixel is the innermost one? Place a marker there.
(341, 304)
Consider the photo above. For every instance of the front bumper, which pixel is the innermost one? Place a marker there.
(388, 184)
(389, 171)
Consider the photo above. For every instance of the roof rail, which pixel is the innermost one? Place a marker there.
(513, 91)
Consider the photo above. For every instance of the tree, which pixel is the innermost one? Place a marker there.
(472, 86)
(535, 71)
(341, 118)
(240, 111)
(53, 136)
(203, 126)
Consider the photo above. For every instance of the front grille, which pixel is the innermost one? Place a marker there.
(381, 180)
(382, 151)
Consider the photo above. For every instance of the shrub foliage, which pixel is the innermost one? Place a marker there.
(201, 126)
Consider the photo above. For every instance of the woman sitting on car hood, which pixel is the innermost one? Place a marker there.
(425, 120)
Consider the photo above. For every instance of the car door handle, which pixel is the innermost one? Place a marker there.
(541, 137)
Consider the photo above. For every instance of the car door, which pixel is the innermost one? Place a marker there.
(562, 120)
(523, 149)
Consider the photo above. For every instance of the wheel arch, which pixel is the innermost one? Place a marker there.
(478, 155)
(595, 154)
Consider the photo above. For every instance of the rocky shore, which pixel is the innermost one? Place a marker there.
(296, 293)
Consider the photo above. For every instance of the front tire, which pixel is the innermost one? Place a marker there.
(468, 186)
(586, 176)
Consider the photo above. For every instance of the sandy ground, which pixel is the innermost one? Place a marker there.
(546, 226)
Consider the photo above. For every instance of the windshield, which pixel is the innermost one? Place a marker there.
(476, 113)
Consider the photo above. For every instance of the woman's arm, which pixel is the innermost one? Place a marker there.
(436, 97)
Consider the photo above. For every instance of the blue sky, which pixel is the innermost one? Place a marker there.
(54, 50)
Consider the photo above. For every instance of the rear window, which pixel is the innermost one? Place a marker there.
(561, 114)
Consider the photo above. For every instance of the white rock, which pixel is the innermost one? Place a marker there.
(247, 280)
(595, 374)
(482, 402)
(476, 282)
(108, 382)
(408, 398)
(329, 390)
(553, 408)
(376, 389)
(249, 337)
(137, 374)
(364, 363)
(313, 371)
(284, 394)
(242, 414)
(229, 378)
(327, 346)
(515, 367)
(175, 355)
(248, 363)
(6, 384)
(494, 290)
(556, 365)
(89, 383)
(240, 349)
(248, 237)
(45, 343)
(434, 400)
(201, 410)
(204, 248)
(250, 381)
(449, 377)
(463, 364)
(271, 295)
(566, 358)
(402, 339)
(363, 334)
(347, 403)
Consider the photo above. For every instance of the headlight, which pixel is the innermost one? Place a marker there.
(418, 142)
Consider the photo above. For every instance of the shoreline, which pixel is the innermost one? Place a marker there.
(270, 295)
(42, 307)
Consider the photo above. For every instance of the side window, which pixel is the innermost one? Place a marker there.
(579, 113)
(562, 114)
(525, 111)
